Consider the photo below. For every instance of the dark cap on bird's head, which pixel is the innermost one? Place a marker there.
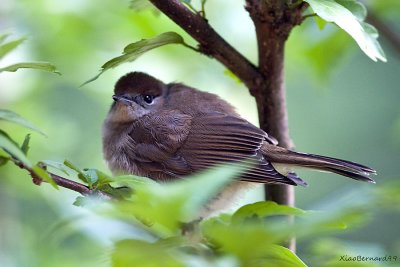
(138, 83)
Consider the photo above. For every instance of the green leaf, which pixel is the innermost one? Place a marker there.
(57, 165)
(133, 51)
(45, 66)
(122, 192)
(81, 175)
(25, 144)
(320, 22)
(4, 160)
(250, 242)
(90, 175)
(99, 178)
(279, 256)
(8, 47)
(44, 175)
(11, 116)
(263, 209)
(12, 148)
(133, 180)
(332, 11)
(142, 253)
(356, 8)
(165, 206)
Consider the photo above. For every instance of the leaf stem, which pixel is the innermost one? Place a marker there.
(191, 47)
(310, 15)
(203, 11)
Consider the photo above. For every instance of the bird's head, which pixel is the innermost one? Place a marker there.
(137, 94)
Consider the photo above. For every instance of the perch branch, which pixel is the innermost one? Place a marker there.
(63, 182)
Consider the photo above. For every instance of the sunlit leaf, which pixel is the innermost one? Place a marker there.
(44, 175)
(25, 144)
(278, 256)
(8, 47)
(355, 7)
(81, 175)
(166, 206)
(132, 180)
(12, 148)
(263, 209)
(142, 253)
(57, 165)
(332, 11)
(11, 116)
(121, 192)
(240, 240)
(100, 178)
(45, 66)
(320, 22)
(133, 51)
(91, 175)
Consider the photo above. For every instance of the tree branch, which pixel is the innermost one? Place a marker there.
(210, 42)
(65, 183)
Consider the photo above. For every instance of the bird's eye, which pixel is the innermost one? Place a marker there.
(148, 99)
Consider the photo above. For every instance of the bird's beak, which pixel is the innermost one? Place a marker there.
(123, 99)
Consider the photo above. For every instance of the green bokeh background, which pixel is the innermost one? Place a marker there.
(340, 104)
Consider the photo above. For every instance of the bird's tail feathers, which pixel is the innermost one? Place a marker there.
(322, 163)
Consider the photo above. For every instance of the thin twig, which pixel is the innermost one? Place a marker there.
(310, 16)
(191, 47)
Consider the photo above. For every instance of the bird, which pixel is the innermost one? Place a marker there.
(169, 131)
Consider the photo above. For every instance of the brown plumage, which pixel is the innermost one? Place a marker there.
(168, 131)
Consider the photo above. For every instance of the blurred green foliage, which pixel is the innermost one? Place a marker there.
(357, 118)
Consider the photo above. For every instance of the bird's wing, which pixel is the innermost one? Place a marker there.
(217, 138)
(156, 140)
(172, 145)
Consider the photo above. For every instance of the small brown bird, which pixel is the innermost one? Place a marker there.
(167, 131)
